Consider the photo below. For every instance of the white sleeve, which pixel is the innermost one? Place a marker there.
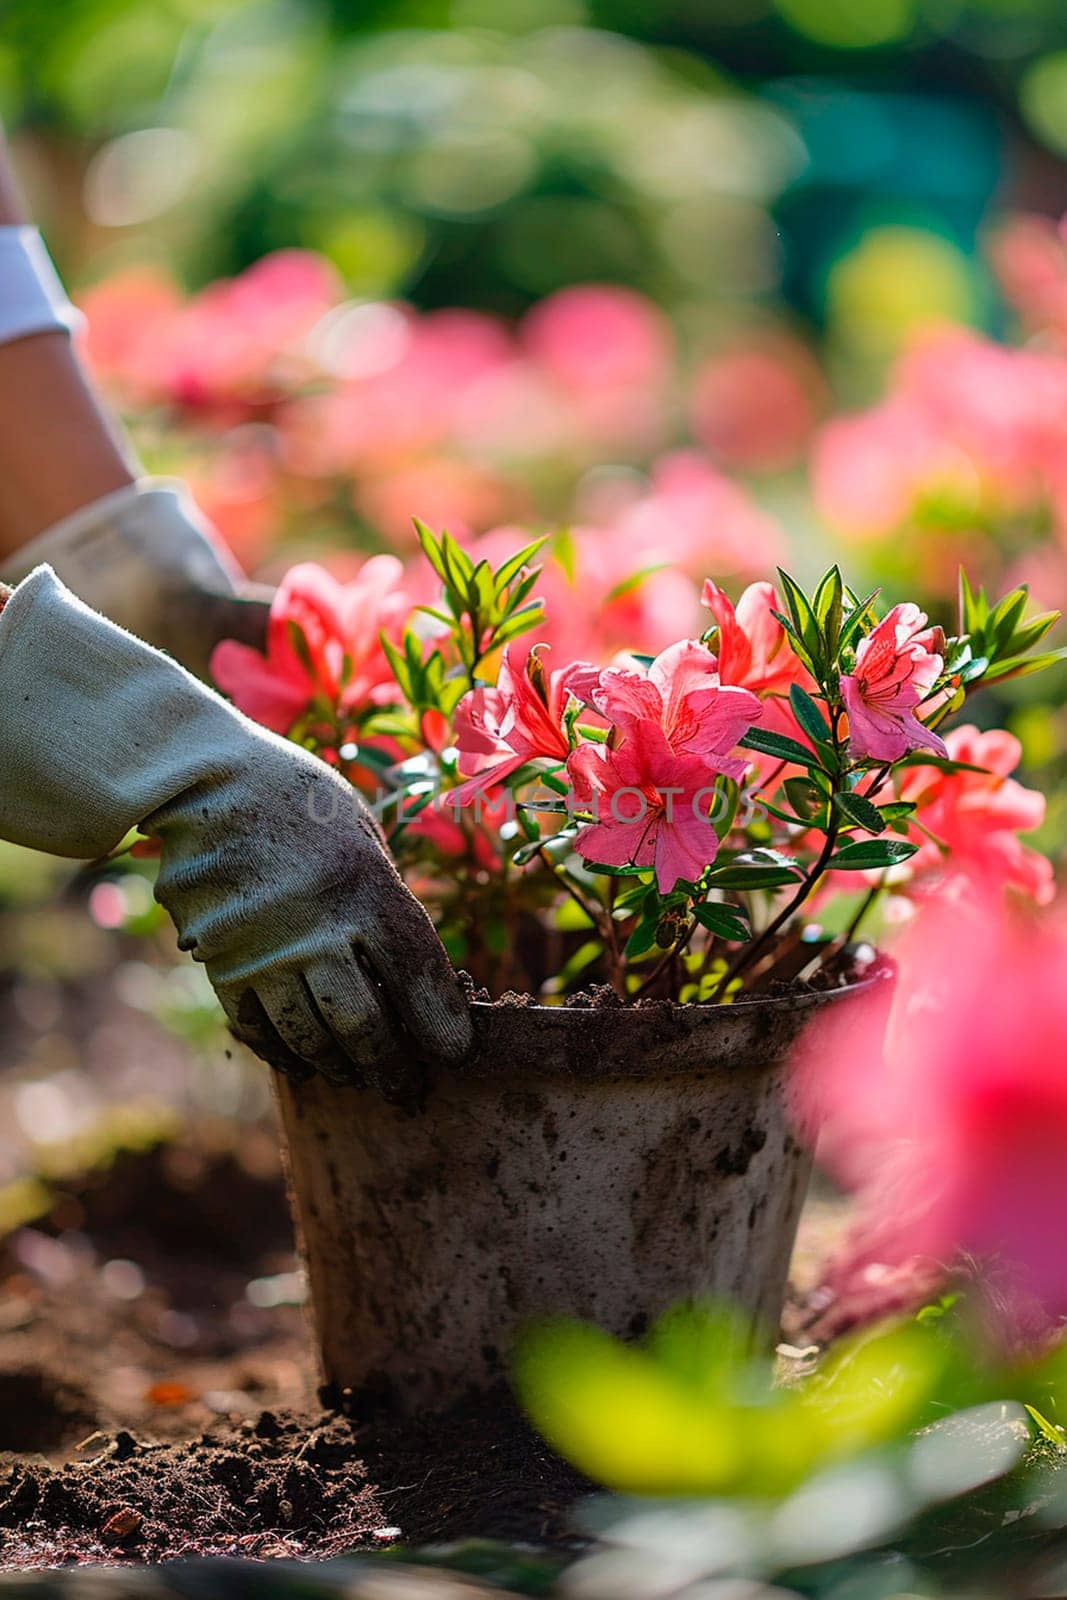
(32, 298)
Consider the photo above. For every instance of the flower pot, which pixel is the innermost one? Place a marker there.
(604, 1163)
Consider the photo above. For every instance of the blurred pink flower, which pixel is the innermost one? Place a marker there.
(500, 728)
(695, 517)
(240, 340)
(971, 435)
(868, 469)
(609, 353)
(755, 404)
(959, 1136)
(978, 817)
(650, 803)
(682, 694)
(897, 664)
(1029, 256)
(323, 646)
(130, 317)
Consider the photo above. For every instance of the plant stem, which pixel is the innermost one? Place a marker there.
(750, 953)
(604, 924)
(861, 912)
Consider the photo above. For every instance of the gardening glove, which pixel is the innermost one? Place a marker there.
(147, 559)
(272, 868)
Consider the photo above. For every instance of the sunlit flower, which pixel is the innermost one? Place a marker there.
(650, 804)
(897, 664)
(499, 728)
(681, 692)
(752, 646)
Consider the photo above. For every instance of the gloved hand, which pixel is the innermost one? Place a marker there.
(272, 868)
(147, 559)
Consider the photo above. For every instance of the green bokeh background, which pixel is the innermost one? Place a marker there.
(485, 152)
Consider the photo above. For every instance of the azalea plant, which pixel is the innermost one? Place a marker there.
(663, 824)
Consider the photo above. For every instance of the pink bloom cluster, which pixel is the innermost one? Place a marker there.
(971, 440)
(672, 730)
(324, 651)
(286, 401)
(650, 782)
(967, 824)
(228, 351)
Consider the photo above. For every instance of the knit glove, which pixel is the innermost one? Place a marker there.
(147, 559)
(271, 867)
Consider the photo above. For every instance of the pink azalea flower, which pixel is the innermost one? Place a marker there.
(897, 664)
(339, 659)
(499, 728)
(959, 1136)
(650, 802)
(681, 692)
(978, 816)
(753, 648)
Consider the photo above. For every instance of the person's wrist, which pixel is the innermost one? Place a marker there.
(5, 594)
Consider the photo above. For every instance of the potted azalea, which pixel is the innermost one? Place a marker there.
(635, 861)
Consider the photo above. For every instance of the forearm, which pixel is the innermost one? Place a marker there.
(58, 449)
(5, 595)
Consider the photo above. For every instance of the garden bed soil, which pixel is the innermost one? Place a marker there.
(150, 1410)
(289, 1487)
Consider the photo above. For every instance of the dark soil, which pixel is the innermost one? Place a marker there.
(149, 1409)
(291, 1487)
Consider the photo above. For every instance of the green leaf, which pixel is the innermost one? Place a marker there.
(457, 562)
(804, 618)
(1007, 615)
(806, 798)
(514, 565)
(829, 600)
(856, 618)
(866, 855)
(634, 581)
(603, 871)
(1024, 666)
(431, 549)
(752, 876)
(780, 746)
(974, 608)
(519, 622)
(808, 714)
(399, 665)
(724, 921)
(1052, 1433)
(927, 758)
(860, 811)
(643, 938)
(1032, 632)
